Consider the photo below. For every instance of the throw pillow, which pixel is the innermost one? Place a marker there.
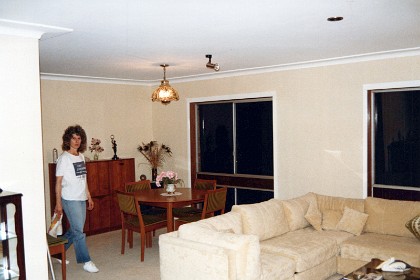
(352, 221)
(295, 210)
(314, 216)
(413, 225)
(330, 219)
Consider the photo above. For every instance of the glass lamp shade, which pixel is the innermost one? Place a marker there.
(165, 93)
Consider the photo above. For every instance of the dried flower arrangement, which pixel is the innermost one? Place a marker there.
(155, 153)
(95, 146)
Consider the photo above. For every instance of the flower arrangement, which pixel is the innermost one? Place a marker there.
(96, 147)
(167, 177)
(155, 153)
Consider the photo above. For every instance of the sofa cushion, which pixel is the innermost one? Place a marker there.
(314, 216)
(265, 219)
(275, 266)
(389, 216)
(372, 245)
(307, 247)
(295, 210)
(413, 225)
(330, 219)
(352, 221)
(320, 271)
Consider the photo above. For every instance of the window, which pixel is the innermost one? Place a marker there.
(234, 140)
(396, 138)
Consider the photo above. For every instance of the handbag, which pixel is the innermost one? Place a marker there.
(56, 227)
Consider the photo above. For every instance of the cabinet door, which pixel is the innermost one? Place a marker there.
(115, 213)
(99, 216)
(98, 178)
(120, 172)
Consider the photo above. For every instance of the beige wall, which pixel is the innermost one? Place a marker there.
(21, 143)
(102, 110)
(319, 119)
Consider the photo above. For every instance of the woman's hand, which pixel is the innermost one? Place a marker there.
(58, 209)
(91, 205)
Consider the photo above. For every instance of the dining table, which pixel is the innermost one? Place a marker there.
(160, 198)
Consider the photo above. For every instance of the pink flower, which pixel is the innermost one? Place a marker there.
(167, 177)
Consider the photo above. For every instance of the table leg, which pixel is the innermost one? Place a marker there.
(170, 218)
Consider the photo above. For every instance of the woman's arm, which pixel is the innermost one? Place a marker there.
(58, 206)
(90, 201)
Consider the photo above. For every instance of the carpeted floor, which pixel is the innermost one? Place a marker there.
(105, 251)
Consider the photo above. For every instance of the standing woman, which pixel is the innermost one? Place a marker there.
(72, 192)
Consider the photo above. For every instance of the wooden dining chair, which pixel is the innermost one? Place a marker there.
(195, 208)
(144, 185)
(204, 184)
(137, 186)
(134, 221)
(56, 245)
(214, 201)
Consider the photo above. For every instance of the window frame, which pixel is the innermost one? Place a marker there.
(379, 190)
(237, 180)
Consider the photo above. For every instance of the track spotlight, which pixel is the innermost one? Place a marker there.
(214, 66)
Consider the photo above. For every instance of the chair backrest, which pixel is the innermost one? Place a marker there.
(126, 202)
(129, 208)
(202, 184)
(137, 186)
(215, 200)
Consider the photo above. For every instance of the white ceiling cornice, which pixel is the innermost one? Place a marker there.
(243, 72)
(30, 30)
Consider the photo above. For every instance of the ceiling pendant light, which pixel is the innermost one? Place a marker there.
(165, 93)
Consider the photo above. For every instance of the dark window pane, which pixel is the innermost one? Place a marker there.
(216, 138)
(254, 138)
(397, 145)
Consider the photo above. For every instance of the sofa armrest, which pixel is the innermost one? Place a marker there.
(184, 259)
(214, 250)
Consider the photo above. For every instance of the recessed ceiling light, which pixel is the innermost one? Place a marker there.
(335, 18)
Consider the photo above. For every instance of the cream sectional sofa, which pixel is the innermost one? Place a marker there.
(310, 237)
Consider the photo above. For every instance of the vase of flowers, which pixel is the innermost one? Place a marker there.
(96, 148)
(155, 154)
(168, 179)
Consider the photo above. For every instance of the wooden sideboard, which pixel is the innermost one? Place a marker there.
(104, 177)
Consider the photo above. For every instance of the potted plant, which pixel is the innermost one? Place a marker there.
(169, 179)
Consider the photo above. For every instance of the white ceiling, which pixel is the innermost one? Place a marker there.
(129, 39)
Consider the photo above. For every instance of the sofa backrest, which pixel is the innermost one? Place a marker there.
(332, 209)
(228, 222)
(265, 219)
(295, 210)
(390, 216)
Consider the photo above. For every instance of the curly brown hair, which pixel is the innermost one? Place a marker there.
(68, 134)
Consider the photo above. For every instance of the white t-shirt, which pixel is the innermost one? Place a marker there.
(73, 170)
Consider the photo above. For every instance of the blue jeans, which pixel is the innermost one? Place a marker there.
(76, 214)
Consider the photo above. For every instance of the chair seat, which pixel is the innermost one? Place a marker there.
(147, 220)
(52, 241)
(192, 218)
(186, 212)
(153, 211)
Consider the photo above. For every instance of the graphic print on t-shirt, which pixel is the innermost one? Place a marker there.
(79, 168)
